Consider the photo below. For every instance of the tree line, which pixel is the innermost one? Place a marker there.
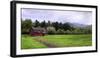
(54, 27)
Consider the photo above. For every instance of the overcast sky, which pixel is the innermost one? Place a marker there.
(81, 17)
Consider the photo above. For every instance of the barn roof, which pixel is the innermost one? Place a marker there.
(39, 29)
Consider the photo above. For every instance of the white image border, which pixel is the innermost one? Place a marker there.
(19, 51)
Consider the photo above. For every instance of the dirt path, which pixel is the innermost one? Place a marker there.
(45, 42)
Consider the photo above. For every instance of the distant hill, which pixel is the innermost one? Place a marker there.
(77, 25)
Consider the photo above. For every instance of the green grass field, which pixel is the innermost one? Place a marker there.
(47, 41)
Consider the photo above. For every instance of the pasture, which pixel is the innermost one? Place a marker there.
(54, 41)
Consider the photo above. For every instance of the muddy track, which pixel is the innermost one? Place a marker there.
(45, 42)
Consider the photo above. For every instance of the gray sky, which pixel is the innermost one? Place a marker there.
(81, 17)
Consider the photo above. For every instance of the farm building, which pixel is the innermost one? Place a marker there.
(37, 31)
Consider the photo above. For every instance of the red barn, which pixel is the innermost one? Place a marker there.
(37, 31)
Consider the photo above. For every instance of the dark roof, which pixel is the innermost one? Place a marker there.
(39, 29)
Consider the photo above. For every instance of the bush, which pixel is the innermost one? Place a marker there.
(60, 31)
(25, 31)
(51, 30)
(68, 32)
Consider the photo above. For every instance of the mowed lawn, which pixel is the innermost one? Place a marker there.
(30, 42)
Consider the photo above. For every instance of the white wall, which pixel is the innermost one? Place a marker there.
(5, 29)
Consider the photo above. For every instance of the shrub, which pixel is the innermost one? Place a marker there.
(51, 30)
(60, 31)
